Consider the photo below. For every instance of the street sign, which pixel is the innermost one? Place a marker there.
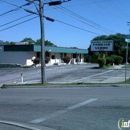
(127, 40)
(126, 36)
(102, 45)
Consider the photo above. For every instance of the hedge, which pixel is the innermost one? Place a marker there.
(101, 62)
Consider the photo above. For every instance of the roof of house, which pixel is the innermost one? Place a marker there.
(37, 48)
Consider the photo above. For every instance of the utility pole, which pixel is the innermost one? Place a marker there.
(40, 12)
(43, 67)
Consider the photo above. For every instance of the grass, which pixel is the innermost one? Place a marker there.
(128, 66)
(127, 82)
(80, 84)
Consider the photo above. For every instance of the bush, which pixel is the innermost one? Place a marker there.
(36, 61)
(101, 62)
(117, 59)
(92, 60)
(109, 60)
(66, 59)
(47, 59)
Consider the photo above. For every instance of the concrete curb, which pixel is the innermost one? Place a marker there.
(25, 125)
(69, 86)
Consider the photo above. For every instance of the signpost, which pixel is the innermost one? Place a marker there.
(127, 39)
(102, 45)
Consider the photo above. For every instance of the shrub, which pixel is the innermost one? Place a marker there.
(101, 62)
(47, 59)
(117, 59)
(109, 60)
(66, 59)
(92, 60)
(36, 61)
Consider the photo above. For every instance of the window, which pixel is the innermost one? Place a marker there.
(53, 57)
(38, 54)
(74, 55)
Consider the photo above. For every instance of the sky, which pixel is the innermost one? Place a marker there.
(76, 23)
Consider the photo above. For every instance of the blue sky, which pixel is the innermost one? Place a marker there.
(83, 20)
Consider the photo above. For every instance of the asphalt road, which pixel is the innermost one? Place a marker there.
(68, 108)
(63, 74)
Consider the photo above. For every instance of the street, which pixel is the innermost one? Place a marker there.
(66, 108)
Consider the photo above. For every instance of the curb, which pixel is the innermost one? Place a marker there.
(25, 125)
(67, 86)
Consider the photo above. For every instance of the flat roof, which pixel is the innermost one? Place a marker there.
(37, 48)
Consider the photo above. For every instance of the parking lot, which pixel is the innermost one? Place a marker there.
(86, 73)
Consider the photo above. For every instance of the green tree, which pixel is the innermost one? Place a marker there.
(29, 40)
(1, 42)
(47, 43)
(12, 43)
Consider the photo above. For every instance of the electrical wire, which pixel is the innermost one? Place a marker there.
(18, 7)
(18, 23)
(111, 12)
(76, 27)
(84, 4)
(16, 20)
(118, 8)
(55, 20)
(82, 19)
(34, 18)
(9, 3)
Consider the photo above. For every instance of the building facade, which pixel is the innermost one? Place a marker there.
(23, 54)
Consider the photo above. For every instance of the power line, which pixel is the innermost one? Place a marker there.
(76, 27)
(19, 23)
(34, 18)
(16, 20)
(18, 7)
(55, 20)
(110, 12)
(83, 19)
(118, 8)
(9, 3)
(88, 3)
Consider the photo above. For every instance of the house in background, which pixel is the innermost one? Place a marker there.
(23, 54)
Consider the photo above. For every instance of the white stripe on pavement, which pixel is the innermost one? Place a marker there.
(63, 111)
(91, 76)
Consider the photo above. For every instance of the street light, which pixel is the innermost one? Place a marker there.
(40, 12)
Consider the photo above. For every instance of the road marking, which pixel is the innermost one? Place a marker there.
(21, 125)
(63, 111)
(91, 76)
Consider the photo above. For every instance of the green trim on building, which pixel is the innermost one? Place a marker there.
(37, 48)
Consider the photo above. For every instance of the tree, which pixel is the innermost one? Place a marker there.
(47, 43)
(12, 43)
(1, 42)
(29, 40)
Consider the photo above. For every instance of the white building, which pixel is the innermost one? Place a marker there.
(23, 54)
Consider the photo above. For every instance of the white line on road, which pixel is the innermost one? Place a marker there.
(91, 76)
(63, 111)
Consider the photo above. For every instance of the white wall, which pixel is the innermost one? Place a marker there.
(23, 58)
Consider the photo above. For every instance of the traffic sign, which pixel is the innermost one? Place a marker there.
(126, 36)
(127, 40)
